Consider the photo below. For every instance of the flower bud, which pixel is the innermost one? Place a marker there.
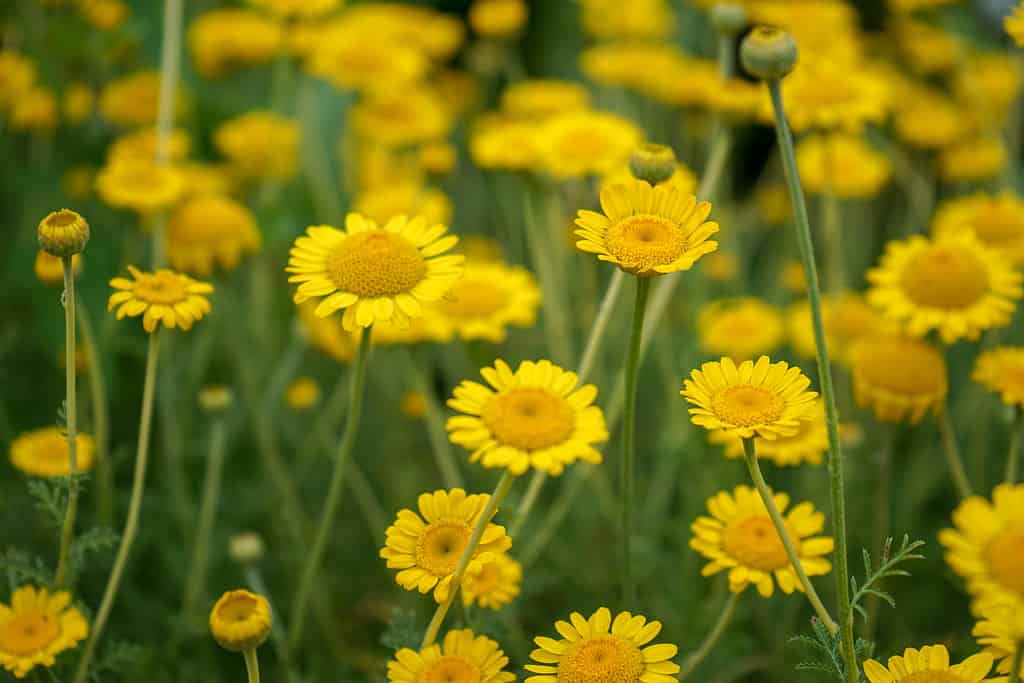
(728, 18)
(240, 620)
(653, 163)
(63, 233)
(215, 398)
(246, 548)
(768, 53)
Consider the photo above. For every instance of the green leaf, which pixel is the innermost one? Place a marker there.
(403, 630)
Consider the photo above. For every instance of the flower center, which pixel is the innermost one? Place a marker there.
(943, 277)
(645, 241)
(997, 225)
(439, 547)
(902, 366)
(529, 418)
(240, 608)
(451, 669)
(754, 542)
(28, 633)
(745, 405)
(163, 287)
(474, 298)
(1006, 558)
(932, 677)
(54, 451)
(62, 219)
(605, 659)
(374, 264)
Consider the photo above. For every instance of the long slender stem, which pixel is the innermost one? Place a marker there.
(837, 484)
(754, 468)
(556, 322)
(67, 532)
(883, 515)
(951, 450)
(436, 434)
(100, 420)
(131, 525)
(1013, 454)
(500, 491)
(643, 286)
(207, 515)
(254, 579)
(252, 665)
(527, 503)
(345, 447)
(170, 68)
(700, 654)
(831, 218)
(1018, 661)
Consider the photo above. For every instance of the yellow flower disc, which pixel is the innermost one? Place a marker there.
(208, 230)
(807, 445)
(899, 378)
(36, 627)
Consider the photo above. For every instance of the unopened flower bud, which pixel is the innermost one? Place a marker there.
(653, 163)
(728, 18)
(215, 398)
(768, 53)
(246, 548)
(63, 233)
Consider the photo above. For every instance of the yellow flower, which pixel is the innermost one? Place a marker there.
(792, 277)
(634, 19)
(327, 334)
(842, 164)
(773, 205)
(828, 95)
(142, 144)
(1014, 24)
(379, 203)
(736, 98)
(132, 100)
(683, 179)
(489, 297)
(351, 62)
(426, 547)
(401, 117)
(35, 111)
(139, 184)
(578, 144)
(930, 663)
(495, 584)
(208, 230)
(260, 144)
(973, 159)
(847, 317)
(206, 178)
(436, 34)
(898, 378)
(296, 9)
(240, 620)
(927, 48)
(505, 144)
(603, 650)
(808, 445)
(753, 399)
(438, 158)
(374, 273)
(1000, 631)
(302, 393)
(542, 98)
(50, 270)
(215, 398)
(536, 416)
(1002, 370)
(909, 6)
(165, 295)
(741, 538)
(37, 627)
(988, 84)
(17, 75)
(379, 166)
(497, 18)
(222, 40)
(44, 452)
(63, 233)
(428, 328)
(684, 82)
(995, 219)
(952, 284)
(928, 119)
(413, 404)
(739, 328)
(461, 658)
(632, 65)
(647, 231)
(105, 15)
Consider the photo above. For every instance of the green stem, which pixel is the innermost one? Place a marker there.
(345, 447)
(643, 286)
(556, 322)
(750, 454)
(1013, 454)
(252, 665)
(316, 165)
(527, 503)
(67, 532)
(951, 450)
(700, 654)
(500, 491)
(254, 579)
(207, 515)
(837, 484)
(170, 68)
(436, 433)
(100, 420)
(831, 219)
(1018, 660)
(883, 516)
(131, 525)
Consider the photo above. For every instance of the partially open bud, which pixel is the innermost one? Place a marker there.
(215, 398)
(63, 233)
(768, 53)
(240, 620)
(653, 163)
(728, 18)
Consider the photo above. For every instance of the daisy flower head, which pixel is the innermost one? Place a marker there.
(36, 627)
(1000, 630)
(44, 452)
(740, 537)
(426, 547)
(374, 273)
(175, 299)
(740, 328)
(583, 143)
(899, 378)
(751, 399)
(847, 317)
(1014, 24)
(488, 298)
(210, 230)
(462, 657)
(647, 230)
(495, 584)
(1002, 370)
(995, 219)
(604, 650)
(536, 417)
(930, 663)
(141, 185)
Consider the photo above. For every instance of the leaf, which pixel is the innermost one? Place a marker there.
(90, 541)
(49, 497)
(403, 630)
(23, 568)
(887, 568)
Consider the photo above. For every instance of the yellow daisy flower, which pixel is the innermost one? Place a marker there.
(49, 269)
(647, 230)
(974, 159)
(426, 547)
(898, 378)
(488, 298)
(952, 284)
(1000, 631)
(260, 144)
(400, 117)
(351, 62)
(44, 452)
(495, 584)
(847, 317)
(208, 230)
(808, 445)
(35, 111)
(1014, 24)
(578, 144)
(947, 122)
(740, 537)
(499, 143)
(737, 99)
(842, 164)
(240, 620)
(614, 19)
(222, 40)
(995, 219)
(829, 95)
(685, 82)
(603, 649)
(429, 328)
(139, 184)
(536, 416)
(1002, 370)
(541, 98)
(409, 198)
(132, 100)
(143, 143)
(297, 9)
(374, 273)
(740, 328)
(683, 179)
(437, 34)
(497, 18)
(165, 295)
(302, 393)
(628, 64)
(760, 398)
(17, 75)
(930, 663)
(461, 658)
(36, 627)
(772, 201)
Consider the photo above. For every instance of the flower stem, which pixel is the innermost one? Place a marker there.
(345, 447)
(831, 219)
(697, 656)
(837, 484)
(500, 491)
(100, 420)
(252, 665)
(207, 514)
(1018, 660)
(131, 525)
(754, 468)
(67, 532)
(556, 322)
(170, 68)
(952, 452)
(643, 286)
(883, 516)
(254, 579)
(436, 434)
(1013, 454)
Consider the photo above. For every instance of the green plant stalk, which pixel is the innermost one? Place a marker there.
(436, 433)
(254, 579)
(252, 665)
(1018, 660)
(750, 454)
(345, 447)
(100, 420)
(883, 516)
(837, 484)
(196, 581)
(1013, 454)
(951, 450)
(831, 220)
(131, 526)
(316, 166)
(628, 462)
(500, 491)
(714, 635)
(170, 69)
(67, 532)
(556, 322)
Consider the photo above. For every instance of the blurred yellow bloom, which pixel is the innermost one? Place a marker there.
(17, 76)
(827, 95)
(132, 100)
(436, 34)
(542, 98)
(398, 118)
(240, 620)
(413, 404)
(352, 62)
(438, 158)
(78, 102)
(378, 165)
(973, 159)
(930, 663)
(382, 202)
(721, 266)
(429, 328)
(139, 184)
(1001, 370)
(261, 144)
(505, 144)
(909, 6)
(772, 200)
(142, 144)
(628, 64)
(496, 583)
(927, 48)
(946, 122)
(36, 627)
(297, 9)
(995, 219)
(175, 299)
(210, 230)
(78, 181)
(685, 82)
(792, 277)
(740, 328)
(635, 19)
(736, 99)
(988, 84)
(497, 18)
(205, 178)
(1000, 631)
(302, 393)
(846, 317)
(44, 453)
(843, 164)
(1014, 24)
(578, 144)
(488, 298)
(50, 270)
(808, 445)
(898, 378)
(105, 15)
(461, 657)
(35, 111)
(221, 40)
(479, 249)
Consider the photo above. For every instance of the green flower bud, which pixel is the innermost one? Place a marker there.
(653, 163)
(728, 18)
(768, 53)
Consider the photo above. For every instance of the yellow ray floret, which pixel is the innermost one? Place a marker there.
(175, 299)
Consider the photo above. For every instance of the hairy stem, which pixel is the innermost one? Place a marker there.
(67, 532)
(643, 285)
